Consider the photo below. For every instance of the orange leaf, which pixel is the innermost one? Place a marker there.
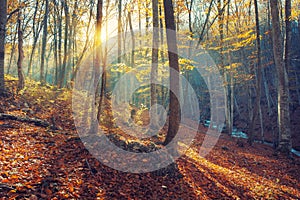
(71, 188)
(5, 181)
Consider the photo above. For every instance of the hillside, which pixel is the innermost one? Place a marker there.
(52, 163)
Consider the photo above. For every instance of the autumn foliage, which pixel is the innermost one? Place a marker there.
(46, 163)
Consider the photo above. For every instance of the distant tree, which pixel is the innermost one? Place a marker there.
(86, 44)
(119, 30)
(174, 74)
(66, 50)
(44, 41)
(3, 11)
(284, 137)
(130, 10)
(36, 29)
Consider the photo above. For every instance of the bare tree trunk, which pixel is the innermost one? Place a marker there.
(21, 81)
(189, 6)
(288, 35)
(163, 89)
(55, 49)
(99, 59)
(44, 41)
(154, 67)
(12, 52)
(66, 50)
(226, 81)
(174, 74)
(132, 39)
(36, 28)
(257, 107)
(205, 23)
(284, 138)
(60, 46)
(3, 11)
(119, 30)
(86, 45)
(140, 22)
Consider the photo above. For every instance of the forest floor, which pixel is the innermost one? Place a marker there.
(41, 163)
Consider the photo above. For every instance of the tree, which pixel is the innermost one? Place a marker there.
(174, 71)
(205, 23)
(66, 50)
(44, 41)
(3, 11)
(119, 30)
(284, 137)
(257, 106)
(130, 10)
(21, 82)
(86, 44)
(154, 67)
(36, 29)
(98, 44)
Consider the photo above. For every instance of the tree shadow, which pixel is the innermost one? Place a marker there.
(72, 172)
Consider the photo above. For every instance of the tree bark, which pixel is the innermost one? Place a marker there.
(205, 23)
(132, 39)
(98, 61)
(284, 138)
(3, 13)
(12, 52)
(257, 107)
(36, 29)
(44, 41)
(119, 30)
(154, 66)
(21, 82)
(37, 122)
(86, 45)
(66, 50)
(174, 74)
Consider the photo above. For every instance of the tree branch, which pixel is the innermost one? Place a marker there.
(37, 122)
(12, 13)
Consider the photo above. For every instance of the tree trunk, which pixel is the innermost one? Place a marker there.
(44, 41)
(132, 39)
(154, 67)
(119, 30)
(284, 139)
(86, 46)
(66, 50)
(226, 81)
(174, 74)
(257, 107)
(3, 11)
(12, 52)
(98, 61)
(21, 82)
(162, 56)
(205, 23)
(36, 28)
(59, 47)
(55, 49)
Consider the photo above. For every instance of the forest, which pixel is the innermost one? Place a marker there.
(154, 99)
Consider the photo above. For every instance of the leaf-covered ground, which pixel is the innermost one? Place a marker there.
(40, 163)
